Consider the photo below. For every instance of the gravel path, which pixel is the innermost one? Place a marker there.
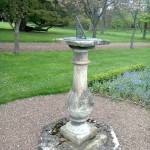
(9, 46)
(21, 121)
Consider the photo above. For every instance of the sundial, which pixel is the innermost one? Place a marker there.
(79, 30)
(80, 37)
(77, 132)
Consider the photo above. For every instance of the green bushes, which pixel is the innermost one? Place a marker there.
(105, 76)
(131, 85)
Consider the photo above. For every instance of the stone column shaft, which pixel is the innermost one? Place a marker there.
(80, 62)
(79, 100)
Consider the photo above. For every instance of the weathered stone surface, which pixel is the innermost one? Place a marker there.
(79, 100)
(51, 139)
(78, 133)
(95, 41)
(81, 43)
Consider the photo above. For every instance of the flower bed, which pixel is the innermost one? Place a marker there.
(132, 85)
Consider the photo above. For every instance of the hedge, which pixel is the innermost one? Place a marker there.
(111, 74)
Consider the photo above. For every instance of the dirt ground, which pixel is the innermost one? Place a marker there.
(22, 121)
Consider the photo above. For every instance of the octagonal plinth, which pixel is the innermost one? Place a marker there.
(51, 139)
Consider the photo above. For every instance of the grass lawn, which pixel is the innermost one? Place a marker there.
(6, 34)
(47, 72)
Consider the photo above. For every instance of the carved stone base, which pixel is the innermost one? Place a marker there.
(78, 133)
(51, 139)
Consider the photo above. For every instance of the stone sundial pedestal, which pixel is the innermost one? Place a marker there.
(79, 100)
(78, 132)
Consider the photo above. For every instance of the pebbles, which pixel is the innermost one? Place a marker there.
(21, 121)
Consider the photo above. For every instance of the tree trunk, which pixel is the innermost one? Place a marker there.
(16, 36)
(135, 23)
(90, 27)
(94, 31)
(134, 30)
(132, 38)
(144, 31)
(102, 26)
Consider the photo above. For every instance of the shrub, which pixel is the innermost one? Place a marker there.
(132, 85)
(110, 75)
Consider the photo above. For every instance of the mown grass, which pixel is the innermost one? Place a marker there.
(122, 35)
(6, 34)
(48, 72)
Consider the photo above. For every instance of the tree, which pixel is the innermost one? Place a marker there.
(94, 10)
(140, 7)
(146, 17)
(44, 13)
(118, 16)
(72, 7)
(102, 25)
(49, 13)
(135, 7)
(14, 11)
(111, 7)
